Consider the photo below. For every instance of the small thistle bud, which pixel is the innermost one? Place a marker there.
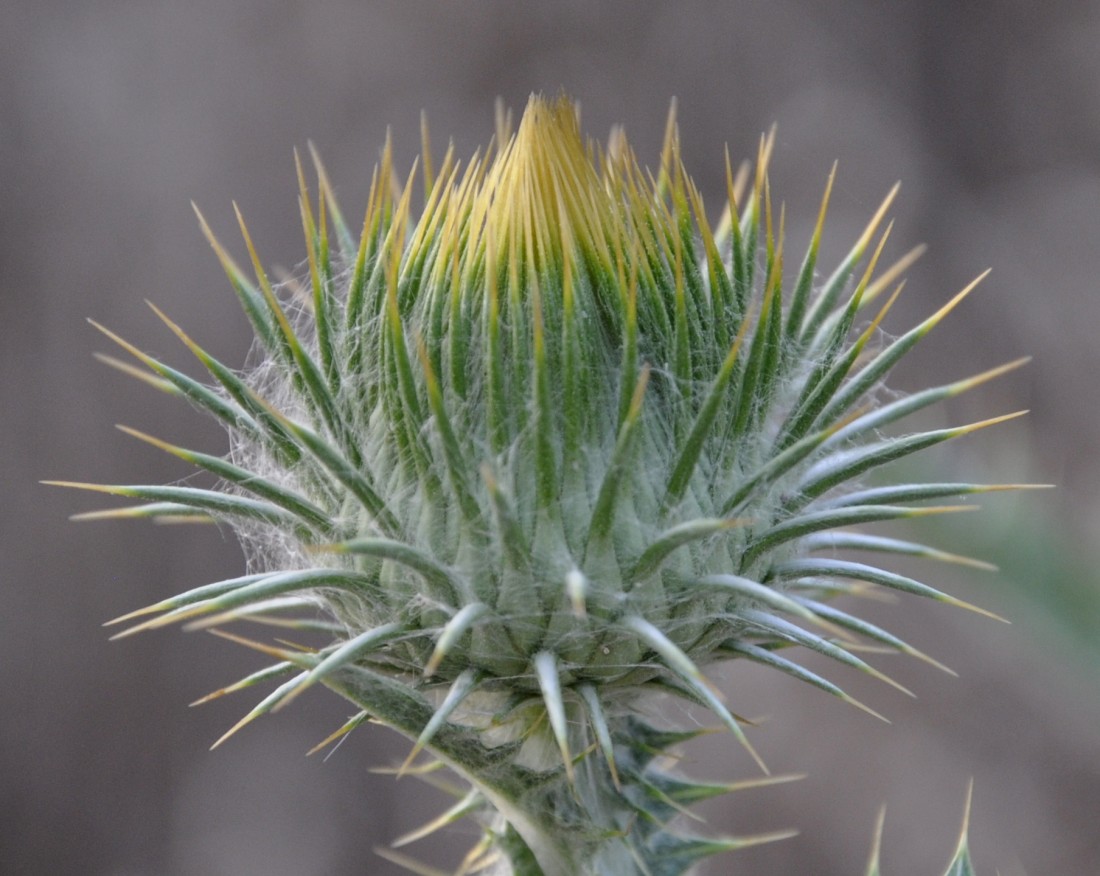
(552, 446)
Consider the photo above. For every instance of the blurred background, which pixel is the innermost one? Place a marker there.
(115, 115)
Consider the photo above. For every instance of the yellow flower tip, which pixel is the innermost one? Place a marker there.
(542, 195)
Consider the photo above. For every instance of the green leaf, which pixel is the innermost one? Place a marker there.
(701, 428)
(209, 501)
(684, 668)
(878, 417)
(843, 467)
(785, 630)
(265, 705)
(356, 481)
(463, 686)
(265, 489)
(546, 671)
(343, 654)
(266, 674)
(861, 541)
(754, 592)
(960, 863)
(192, 390)
(257, 421)
(804, 283)
(826, 300)
(788, 667)
(877, 368)
(676, 537)
(247, 589)
(448, 586)
(686, 851)
(591, 697)
(452, 631)
(876, 846)
(810, 522)
(252, 301)
(870, 631)
(818, 567)
(603, 511)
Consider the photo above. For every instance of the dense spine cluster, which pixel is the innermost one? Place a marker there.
(553, 446)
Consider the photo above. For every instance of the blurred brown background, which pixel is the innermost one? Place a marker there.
(114, 115)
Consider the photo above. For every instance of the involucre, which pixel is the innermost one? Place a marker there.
(552, 447)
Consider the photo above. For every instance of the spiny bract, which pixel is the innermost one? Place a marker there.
(554, 445)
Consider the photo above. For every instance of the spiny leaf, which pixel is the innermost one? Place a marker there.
(604, 508)
(960, 863)
(879, 417)
(826, 299)
(317, 254)
(685, 669)
(877, 368)
(342, 731)
(463, 685)
(842, 468)
(241, 591)
(262, 708)
(690, 850)
(255, 419)
(261, 675)
(546, 671)
(776, 661)
(405, 862)
(704, 421)
(347, 652)
(308, 374)
(161, 512)
(775, 467)
(189, 597)
(346, 243)
(859, 541)
(591, 697)
(833, 365)
(352, 477)
(802, 286)
(756, 592)
(158, 383)
(876, 845)
(452, 453)
(576, 590)
(809, 522)
(194, 391)
(452, 631)
(899, 493)
(872, 632)
(785, 630)
(209, 501)
(815, 566)
(676, 537)
(472, 802)
(250, 481)
(407, 555)
(252, 301)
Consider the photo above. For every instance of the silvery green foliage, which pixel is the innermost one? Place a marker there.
(552, 447)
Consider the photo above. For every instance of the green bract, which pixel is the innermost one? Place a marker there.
(552, 446)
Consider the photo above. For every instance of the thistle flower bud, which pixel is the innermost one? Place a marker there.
(552, 446)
